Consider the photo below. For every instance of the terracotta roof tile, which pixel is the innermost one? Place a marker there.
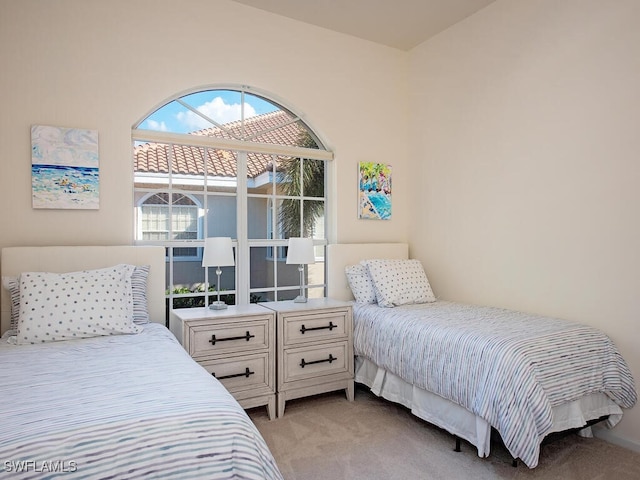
(190, 160)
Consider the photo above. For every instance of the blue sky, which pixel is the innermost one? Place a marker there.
(221, 105)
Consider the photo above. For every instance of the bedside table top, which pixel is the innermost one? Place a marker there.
(203, 313)
(311, 304)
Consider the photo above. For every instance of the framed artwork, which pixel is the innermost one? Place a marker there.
(374, 196)
(64, 168)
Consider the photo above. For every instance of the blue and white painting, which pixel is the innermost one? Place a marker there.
(374, 199)
(64, 168)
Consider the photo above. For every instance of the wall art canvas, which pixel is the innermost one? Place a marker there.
(64, 168)
(374, 198)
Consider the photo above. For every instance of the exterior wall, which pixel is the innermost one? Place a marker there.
(526, 170)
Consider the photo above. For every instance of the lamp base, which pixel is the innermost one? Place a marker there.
(218, 305)
(300, 299)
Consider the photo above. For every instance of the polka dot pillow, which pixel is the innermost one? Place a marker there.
(399, 282)
(139, 279)
(63, 306)
(360, 283)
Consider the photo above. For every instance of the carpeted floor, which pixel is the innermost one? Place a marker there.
(326, 437)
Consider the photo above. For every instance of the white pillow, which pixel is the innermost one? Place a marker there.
(139, 279)
(360, 283)
(399, 282)
(63, 306)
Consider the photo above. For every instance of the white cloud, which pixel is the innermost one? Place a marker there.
(217, 110)
(155, 125)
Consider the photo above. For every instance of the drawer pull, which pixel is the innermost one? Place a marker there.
(247, 336)
(331, 326)
(246, 373)
(330, 359)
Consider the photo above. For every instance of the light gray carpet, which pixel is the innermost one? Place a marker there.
(327, 437)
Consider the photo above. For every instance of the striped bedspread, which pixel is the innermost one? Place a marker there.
(121, 407)
(507, 367)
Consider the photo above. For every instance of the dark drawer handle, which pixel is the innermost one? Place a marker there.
(330, 359)
(246, 373)
(246, 336)
(331, 326)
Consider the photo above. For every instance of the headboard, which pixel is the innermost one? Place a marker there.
(71, 259)
(341, 255)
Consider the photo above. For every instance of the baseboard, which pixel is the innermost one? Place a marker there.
(610, 436)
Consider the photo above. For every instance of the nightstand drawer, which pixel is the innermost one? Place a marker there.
(240, 373)
(207, 340)
(315, 361)
(315, 327)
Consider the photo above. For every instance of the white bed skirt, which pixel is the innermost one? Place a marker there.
(459, 421)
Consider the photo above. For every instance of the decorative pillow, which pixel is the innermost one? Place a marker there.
(360, 283)
(63, 306)
(399, 282)
(139, 290)
(138, 286)
(12, 284)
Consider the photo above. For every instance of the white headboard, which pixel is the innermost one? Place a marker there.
(71, 259)
(342, 254)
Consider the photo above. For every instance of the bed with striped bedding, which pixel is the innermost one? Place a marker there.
(508, 368)
(122, 406)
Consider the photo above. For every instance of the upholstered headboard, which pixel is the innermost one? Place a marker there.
(342, 254)
(16, 260)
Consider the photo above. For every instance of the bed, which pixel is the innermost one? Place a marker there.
(116, 404)
(470, 369)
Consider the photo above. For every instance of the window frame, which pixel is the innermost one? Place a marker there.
(242, 243)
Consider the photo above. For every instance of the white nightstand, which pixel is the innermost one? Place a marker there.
(315, 348)
(236, 345)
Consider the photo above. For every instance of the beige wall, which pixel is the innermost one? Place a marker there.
(526, 164)
(107, 64)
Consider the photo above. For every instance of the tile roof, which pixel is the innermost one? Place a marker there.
(190, 160)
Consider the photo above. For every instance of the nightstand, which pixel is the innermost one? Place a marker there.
(315, 348)
(236, 345)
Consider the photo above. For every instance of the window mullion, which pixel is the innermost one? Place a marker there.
(242, 254)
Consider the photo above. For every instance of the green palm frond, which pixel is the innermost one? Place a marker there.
(301, 178)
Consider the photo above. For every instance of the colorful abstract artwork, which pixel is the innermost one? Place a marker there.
(64, 168)
(374, 198)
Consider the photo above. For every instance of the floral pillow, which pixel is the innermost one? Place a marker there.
(63, 306)
(399, 282)
(360, 283)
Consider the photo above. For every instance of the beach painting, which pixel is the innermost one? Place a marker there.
(64, 168)
(374, 197)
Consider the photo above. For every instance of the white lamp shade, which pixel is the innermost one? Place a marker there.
(301, 251)
(218, 252)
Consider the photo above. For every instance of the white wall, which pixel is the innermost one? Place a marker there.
(107, 64)
(526, 164)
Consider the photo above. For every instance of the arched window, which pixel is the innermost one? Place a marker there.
(230, 162)
(176, 217)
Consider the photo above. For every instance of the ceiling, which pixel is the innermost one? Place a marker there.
(401, 24)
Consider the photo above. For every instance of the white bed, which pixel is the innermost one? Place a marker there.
(117, 406)
(424, 404)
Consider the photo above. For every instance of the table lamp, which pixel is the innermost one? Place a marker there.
(300, 251)
(218, 252)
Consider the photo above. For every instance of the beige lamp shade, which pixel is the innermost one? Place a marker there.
(301, 251)
(218, 252)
